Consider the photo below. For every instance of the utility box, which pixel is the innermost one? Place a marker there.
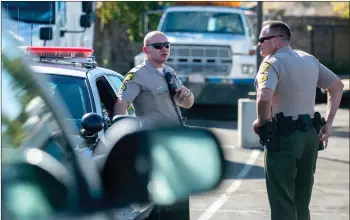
(246, 116)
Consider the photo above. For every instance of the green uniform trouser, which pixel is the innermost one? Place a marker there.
(289, 175)
(177, 211)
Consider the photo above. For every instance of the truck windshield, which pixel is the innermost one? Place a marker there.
(203, 22)
(31, 12)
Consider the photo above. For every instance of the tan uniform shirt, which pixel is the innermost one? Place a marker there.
(147, 89)
(294, 76)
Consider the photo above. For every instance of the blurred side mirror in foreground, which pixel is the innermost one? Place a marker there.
(163, 166)
(35, 184)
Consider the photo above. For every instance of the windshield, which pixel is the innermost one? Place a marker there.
(203, 22)
(252, 23)
(73, 93)
(30, 12)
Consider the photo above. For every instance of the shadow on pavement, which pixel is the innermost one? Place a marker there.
(212, 112)
(340, 132)
(233, 169)
(213, 124)
(333, 160)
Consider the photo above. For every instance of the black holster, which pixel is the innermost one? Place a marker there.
(268, 135)
(318, 123)
(280, 125)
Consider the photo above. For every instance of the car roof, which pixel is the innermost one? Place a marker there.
(69, 70)
(108, 71)
(49, 68)
(205, 8)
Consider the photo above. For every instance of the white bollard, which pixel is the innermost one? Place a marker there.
(246, 116)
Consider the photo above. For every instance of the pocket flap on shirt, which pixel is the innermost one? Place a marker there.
(159, 90)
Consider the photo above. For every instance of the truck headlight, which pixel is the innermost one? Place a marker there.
(247, 69)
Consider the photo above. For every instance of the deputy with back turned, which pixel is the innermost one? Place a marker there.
(286, 87)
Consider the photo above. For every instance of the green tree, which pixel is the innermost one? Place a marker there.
(14, 132)
(341, 8)
(130, 13)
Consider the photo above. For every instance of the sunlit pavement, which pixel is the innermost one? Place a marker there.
(242, 195)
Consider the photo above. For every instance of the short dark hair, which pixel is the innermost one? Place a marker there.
(279, 27)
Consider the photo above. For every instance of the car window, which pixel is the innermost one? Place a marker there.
(73, 93)
(63, 11)
(107, 98)
(252, 24)
(117, 83)
(27, 121)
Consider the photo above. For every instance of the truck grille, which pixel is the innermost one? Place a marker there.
(203, 59)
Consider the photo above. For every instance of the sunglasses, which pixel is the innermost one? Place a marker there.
(263, 39)
(160, 46)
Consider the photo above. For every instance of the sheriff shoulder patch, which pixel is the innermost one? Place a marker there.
(129, 76)
(264, 66)
(123, 87)
(262, 77)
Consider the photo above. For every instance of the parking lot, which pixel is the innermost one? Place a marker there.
(242, 195)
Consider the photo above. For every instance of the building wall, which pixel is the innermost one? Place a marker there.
(329, 39)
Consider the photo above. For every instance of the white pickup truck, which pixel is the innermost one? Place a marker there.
(212, 51)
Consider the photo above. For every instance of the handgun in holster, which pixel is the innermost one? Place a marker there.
(267, 135)
(319, 122)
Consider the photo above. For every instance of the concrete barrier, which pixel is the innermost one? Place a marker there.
(246, 116)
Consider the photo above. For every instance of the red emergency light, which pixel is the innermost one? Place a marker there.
(60, 52)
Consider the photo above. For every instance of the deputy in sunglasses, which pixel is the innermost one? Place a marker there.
(286, 86)
(146, 87)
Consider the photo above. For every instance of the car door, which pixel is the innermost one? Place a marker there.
(117, 81)
(104, 95)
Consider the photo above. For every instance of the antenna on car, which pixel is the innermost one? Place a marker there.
(18, 21)
(50, 18)
(31, 35)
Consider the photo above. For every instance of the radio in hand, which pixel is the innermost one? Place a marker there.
(172, 82)
(172, 86)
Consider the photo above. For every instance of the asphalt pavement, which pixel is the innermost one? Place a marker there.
(242, 194)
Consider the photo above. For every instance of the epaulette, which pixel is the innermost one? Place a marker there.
(132, 73)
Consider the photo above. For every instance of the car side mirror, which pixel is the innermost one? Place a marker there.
(162, 166)
(85, 21)
(92, 123)
(34, 173)
(45, 33)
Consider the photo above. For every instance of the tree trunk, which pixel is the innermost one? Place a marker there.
(112, 47)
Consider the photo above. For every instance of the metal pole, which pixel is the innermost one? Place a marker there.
(312, 42)
(145, 27)
(332, 48)
(259, 25)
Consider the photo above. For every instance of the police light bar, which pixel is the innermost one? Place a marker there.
(59, 52)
